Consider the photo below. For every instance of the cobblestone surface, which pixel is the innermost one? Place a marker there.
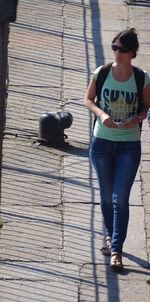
(52, 225)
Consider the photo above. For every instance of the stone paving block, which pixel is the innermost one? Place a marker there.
(135, 244)
(108, 23)
(79, 112)
(28, 190)
(83, 217)
(34, 160)
(24, 111)
(31, 239)
(148, 246)
(41, 282)
(117, 11)
(145, 154)
(76, 192)
(27, 45)
(94, 22)
(142, 61)
(147, 222)
(145, 136)
(53, 227)
(79, 144)
(47, 16)
(33, 74)
(146, 167)
(75, 84)
(51, 215)
(75, 59)
(79, 169)
(30, 72)
(28, 98)
(81, 247)
(138, 174)
(72, 13)
(143, 38)
(76, 93)
(146, 202)
(41, 291)
(145, 180)
(144, 52)
(83, 233)
(139, 18)
(101, 284)
(135, 196)
(42, 271)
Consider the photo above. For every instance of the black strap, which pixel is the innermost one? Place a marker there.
(102, 75)
(139, 79)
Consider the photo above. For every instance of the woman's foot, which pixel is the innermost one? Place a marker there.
(116, 261)
(106, 249)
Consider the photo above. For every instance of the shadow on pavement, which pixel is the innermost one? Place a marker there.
(137, 260)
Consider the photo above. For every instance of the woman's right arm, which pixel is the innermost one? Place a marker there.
(90, 104)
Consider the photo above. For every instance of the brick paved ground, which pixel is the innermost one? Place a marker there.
(52, 231)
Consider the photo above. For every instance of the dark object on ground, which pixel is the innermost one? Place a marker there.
(52, 126)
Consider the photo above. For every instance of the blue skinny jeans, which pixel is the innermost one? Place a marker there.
(116, 165)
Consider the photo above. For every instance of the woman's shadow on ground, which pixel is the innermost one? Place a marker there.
(145, 265)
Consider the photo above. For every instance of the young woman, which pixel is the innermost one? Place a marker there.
(115, 148)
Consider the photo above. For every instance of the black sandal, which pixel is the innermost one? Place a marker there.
(106, 249)
(116, 261)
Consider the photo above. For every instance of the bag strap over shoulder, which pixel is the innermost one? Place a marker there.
(102, 75)
(139, 79)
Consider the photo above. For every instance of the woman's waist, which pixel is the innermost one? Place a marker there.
(116, 134)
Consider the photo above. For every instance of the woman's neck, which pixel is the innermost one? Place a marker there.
(122, 72)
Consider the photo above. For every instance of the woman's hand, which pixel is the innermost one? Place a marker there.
(133, 121)
(130, 123)
(107, 121)
(143, 115)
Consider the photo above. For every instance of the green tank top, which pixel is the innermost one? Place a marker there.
(120, 101)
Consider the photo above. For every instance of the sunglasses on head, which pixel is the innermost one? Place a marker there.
(120, 48)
